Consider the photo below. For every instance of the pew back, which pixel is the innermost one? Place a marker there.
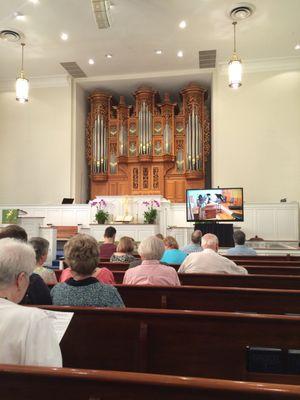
(229, 299)
(250, 281)
(189, 343)
(252, 269)
(34, 383)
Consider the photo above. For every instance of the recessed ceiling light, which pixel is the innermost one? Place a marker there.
(297, 47)
(158, 51)
(64, 36)
(182, 24)
(19, 16)
(91, 61)
(108, 55)
(180, 53)
(34, 1)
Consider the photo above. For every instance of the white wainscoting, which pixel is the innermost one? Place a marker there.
(136, 231)
(273, 221)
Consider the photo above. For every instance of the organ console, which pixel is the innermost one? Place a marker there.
(152, 147)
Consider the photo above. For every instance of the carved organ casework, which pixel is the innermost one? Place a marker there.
(150, 148)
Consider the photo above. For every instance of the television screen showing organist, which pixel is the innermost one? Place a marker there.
(221, 204)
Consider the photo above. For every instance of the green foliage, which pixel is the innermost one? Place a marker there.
(150, 215)
(101, 216)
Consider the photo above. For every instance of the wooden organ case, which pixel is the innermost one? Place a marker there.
(150, 148)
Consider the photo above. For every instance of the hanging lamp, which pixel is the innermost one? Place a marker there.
(22, 84)
(235, 65)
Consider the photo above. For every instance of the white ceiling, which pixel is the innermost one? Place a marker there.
(138, 28)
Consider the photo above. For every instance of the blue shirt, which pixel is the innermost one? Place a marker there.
(191, 248)
(241, 250)
(173, 256)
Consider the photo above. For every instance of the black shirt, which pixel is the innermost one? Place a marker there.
(37, 292)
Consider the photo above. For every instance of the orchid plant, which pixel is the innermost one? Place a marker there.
(151, 213)
(101, 215)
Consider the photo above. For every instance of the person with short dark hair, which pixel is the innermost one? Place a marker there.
(83, 289)
(41, 247)
(108, 248)
(172, 254)
(240, 249)
(124, 251)
(195, 244)
(15, 232)
(37, 292)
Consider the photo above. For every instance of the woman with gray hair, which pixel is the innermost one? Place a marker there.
(27, 336)
(151, 272)
(83, 288)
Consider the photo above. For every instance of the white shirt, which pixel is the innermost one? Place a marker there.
(210, 262)
(27, 336)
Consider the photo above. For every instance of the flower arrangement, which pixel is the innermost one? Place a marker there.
(151, 213)
(101, 215)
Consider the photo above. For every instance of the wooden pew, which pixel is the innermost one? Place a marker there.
(287, 257)
(190, 343)
(260, 277)
(221, 280)
(33, 383)
(210, 298)
(265, 270)
(265, 263)
(268, 270)
(113, 266)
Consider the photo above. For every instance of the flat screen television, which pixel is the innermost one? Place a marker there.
(215, 204)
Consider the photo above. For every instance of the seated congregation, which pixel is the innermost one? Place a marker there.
(160, 298)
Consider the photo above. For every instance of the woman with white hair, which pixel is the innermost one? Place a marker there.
(151, 272)
(27, 336)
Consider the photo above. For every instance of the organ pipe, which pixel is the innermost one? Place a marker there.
(99, 156)
(193, 141)
(145, 129)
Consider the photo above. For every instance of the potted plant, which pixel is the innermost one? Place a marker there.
(151, 213)
(101, 215)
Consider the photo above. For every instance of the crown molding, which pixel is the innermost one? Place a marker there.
(265, 65)
(38, 82)
(144, 75)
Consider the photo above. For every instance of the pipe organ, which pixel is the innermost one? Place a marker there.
(152, 147)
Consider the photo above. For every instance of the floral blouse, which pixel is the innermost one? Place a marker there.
(125, 258)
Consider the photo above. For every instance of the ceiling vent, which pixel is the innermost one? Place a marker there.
(11, 35)
(207, 59)
(101, 10)
(241, 11)
(73, 69)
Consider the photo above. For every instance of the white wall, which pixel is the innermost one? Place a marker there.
(256, 140)
(256, 135)
(79, 165)
(35, 147)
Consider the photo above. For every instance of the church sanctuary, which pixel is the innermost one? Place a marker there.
(149, 199)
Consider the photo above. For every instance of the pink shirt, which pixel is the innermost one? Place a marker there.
(103, 275)
(151, 272)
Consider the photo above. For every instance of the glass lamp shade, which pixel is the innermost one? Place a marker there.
(22, 89)
(235, 73)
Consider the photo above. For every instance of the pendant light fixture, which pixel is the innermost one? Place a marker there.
(235, 65)
(22, 84)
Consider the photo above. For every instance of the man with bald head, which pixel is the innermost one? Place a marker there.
(195, 244)
(209, 261)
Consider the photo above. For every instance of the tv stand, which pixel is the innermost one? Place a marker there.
(223, 231)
